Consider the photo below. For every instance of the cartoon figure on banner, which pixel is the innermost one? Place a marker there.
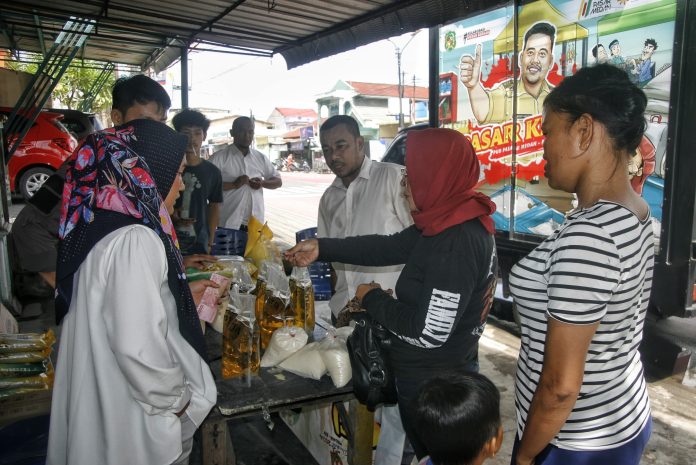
(644, 69)
(599, 53)
(495, 105)
(616, 58)
(642, 164)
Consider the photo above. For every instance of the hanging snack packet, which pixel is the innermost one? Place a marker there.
(26, 342)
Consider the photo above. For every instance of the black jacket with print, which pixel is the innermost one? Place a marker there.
(444, 292)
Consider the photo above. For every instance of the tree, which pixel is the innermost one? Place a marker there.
(75, 82)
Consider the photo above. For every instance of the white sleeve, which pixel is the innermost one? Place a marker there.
(136, 322)
(322, 221)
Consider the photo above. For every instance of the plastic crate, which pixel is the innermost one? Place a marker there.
(309, 233)
(229, 242)
(319, 272)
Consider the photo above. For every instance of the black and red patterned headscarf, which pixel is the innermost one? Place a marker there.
(119, 177)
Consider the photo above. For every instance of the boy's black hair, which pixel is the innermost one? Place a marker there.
(138, 89)
(613, 42)
(456, 415)
(190, 118)
(346, 120)
(652, 42)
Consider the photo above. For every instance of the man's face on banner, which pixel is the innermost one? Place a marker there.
(536, 59)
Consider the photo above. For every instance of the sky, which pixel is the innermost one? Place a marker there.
(242, 84)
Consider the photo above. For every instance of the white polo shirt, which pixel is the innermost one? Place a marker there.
(372, 204)
(239, 204)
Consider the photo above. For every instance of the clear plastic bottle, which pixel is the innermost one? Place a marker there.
(275, 315)
(302, 299)
(272, 297)
(240, 338)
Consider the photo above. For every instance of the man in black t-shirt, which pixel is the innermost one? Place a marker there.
(198, 208)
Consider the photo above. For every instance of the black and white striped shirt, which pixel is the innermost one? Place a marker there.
(597, 267)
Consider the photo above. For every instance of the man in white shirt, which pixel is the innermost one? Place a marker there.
(245, 173)
(365, 198)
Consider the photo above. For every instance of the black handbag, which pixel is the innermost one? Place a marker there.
(373, 379)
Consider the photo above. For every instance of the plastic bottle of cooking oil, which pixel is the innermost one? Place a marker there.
(272, 298)
(276, 314)
(240, 338)
(302, 299)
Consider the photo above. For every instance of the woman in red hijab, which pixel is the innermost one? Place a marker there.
(446, 287)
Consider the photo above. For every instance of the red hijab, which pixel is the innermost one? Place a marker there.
(442, 171)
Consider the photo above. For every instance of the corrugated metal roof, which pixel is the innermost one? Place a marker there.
(151, 33)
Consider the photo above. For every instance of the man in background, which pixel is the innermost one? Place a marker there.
(245, 173)
(197, 210)
(365, 198)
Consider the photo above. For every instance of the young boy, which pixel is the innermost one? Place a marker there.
(458, 419)
(198, 208)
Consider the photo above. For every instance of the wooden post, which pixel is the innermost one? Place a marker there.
(362, 424)
(216, 443)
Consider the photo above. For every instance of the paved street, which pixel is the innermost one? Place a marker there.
(294, 206)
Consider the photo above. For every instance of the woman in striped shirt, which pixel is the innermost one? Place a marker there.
(582, 295)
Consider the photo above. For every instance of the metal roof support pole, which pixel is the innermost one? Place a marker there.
(47, 76)
(4, 186)
(433, 76)
(96, 87)
(39, 34)
(184, 78)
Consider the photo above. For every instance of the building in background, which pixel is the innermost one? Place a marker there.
(376, 108)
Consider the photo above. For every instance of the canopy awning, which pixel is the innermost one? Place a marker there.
(152, 33)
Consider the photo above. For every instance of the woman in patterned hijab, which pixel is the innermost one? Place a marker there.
(131, 380)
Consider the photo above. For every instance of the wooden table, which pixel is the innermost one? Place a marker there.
(271, 391)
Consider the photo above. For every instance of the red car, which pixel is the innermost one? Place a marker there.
(44, 148)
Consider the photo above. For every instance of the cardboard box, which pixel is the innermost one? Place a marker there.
(8, 324)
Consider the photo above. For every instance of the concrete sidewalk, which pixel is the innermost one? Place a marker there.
(673, 439)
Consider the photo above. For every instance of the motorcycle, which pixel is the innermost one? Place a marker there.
(279, 164)
(283, 165)
(303, 166)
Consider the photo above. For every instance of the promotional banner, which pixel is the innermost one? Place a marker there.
(501, 110)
